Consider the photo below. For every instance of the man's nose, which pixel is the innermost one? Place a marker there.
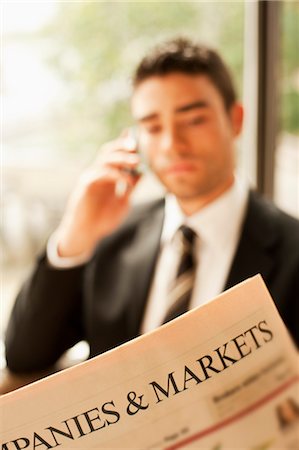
(173, 141)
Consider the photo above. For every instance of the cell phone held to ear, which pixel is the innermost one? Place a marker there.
(121, 185)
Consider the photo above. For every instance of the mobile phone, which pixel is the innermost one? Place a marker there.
(121, 185)
(140, 169)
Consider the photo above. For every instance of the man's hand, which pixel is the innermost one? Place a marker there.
(95, 207)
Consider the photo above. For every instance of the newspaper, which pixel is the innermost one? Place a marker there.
(222, 376)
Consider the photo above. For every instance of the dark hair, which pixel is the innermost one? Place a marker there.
(183, 55)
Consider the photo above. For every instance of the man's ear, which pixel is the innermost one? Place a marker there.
(237, 114)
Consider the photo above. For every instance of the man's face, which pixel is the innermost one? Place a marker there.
(186, 133)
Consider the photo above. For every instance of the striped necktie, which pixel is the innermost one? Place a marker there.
(182, 286)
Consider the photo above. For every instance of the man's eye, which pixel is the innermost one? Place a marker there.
(196, 120)
(153, 129)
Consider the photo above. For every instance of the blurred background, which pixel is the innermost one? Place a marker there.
(65, 71)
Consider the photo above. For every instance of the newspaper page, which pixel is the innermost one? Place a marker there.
(222, 376)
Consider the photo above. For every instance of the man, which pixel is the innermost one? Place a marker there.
(107, 272)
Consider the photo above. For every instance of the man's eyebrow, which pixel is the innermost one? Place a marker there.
(147, 118)
(184, 108)
(193, 105)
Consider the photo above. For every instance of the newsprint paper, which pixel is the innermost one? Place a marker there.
(223, 376)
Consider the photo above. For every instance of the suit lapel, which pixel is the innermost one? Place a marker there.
(258, 237)
(141, 264)
(250, 260)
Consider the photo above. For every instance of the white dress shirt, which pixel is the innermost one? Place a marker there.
(218, 227)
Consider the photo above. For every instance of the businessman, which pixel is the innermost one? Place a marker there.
(110, 270)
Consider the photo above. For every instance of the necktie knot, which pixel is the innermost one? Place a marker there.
(188, 234)
(186, 237)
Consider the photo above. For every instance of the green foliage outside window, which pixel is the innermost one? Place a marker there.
(290, 67)
(96, 45)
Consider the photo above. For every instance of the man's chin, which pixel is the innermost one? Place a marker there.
(196, 194)
(185, 194)
(182, 187)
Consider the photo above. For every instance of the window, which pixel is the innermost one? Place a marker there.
(286, 174)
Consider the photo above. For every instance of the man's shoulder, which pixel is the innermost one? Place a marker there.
(148, 215)
(268, 221)
(267, 209)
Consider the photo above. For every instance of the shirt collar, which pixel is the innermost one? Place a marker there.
(217, 223)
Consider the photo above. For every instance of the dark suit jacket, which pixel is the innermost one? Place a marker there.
(103, 301)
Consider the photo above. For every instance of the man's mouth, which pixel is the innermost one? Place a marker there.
(180, 167)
